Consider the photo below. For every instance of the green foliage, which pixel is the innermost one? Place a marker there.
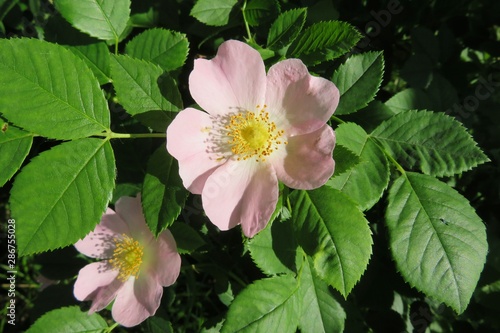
(286, 28)
(213, 12)
(97, 58)
(436, 238)
(74, 321)
(15, 145)
(358, 80)
(260, 11)
(41, 77)
(61, 194)
(102, 19)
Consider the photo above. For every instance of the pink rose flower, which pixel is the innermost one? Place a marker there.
(135, 267)
(256, 130)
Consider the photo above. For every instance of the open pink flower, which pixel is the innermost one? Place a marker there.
(258, 129)
(135, 266)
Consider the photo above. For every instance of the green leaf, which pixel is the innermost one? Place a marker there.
(425, 42)
(365, 183)
(188, 240)
(15, 145)
(358, 80)
(142, 86)
(327, 225)
(213, 12)
(273, 307)
(168, 49)
(344, 159)
(286, 28)
(436, 238)
(49, 91)
(261, 11)
(68, 320)
(435, 143)
(96, 56)
(102, 19)
(321, 313)
(61, 194)
(274, 249)
(163, 195)
(409, 99)
(324, 41)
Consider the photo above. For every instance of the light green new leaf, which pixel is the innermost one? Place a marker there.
(142, 86)
(331, 228)
(435, 143)
(268, 305)
(436, 238)
(168, 49)
(68, 320)
(102, 19)
(213, 12)
(15, 145)
(365, 182)
(286, 28)
(47, 90)
(163, 195)
(358, 80)
(261, 11)
(96, 56)
(321, 313)
(61, 194)
(324, 41)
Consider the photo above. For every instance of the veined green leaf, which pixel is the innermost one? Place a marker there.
(344, 159)
(142, 86)
(15, 145)
(435, 143)
(365, 182)
(213, 12)
(96, 56)
(102, 19)
(358, 80)
(187, 239)
(332, 229)
(168, 49)
(436, 238)
(68, 319)
(61, 194)
(408, 99)
(163, 195)
(286, 28)
(324, 41)
(273, 307)
(261, 11)
(47, 90)
(321, 313)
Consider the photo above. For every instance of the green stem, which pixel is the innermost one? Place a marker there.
(337, 120)
(113, 135)
(109, 329)
(247, 26)
(390, 158)
(116, 45)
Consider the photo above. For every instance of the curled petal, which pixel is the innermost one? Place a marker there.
(136, 301)
(186, 141)
(303, 102)
(241, 193)
(235, 78)
(307, 162)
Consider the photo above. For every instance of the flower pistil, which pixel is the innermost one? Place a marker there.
(127, 257)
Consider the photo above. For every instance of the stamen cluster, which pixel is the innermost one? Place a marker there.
(127, 257)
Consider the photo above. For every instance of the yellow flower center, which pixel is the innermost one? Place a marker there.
(252, 135)
(127, 257)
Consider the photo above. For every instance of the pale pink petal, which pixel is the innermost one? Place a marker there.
(304, 102)
(187, 139)
(235, 78)
(167, 265)
(307, 162)
(241, 193)
(136, 301)
(100, 242)
(97, 282)
(130, 210)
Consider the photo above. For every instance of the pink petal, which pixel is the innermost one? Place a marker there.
(130, 210)
(167, 265)
(97, 282)
(186, 141)
(235, 78)
(307, 162)
(136, 301)
(241, 193)
(100, 242)
(304, 102)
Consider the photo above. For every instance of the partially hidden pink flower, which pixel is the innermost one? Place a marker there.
(135, 266)
(257, 130)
